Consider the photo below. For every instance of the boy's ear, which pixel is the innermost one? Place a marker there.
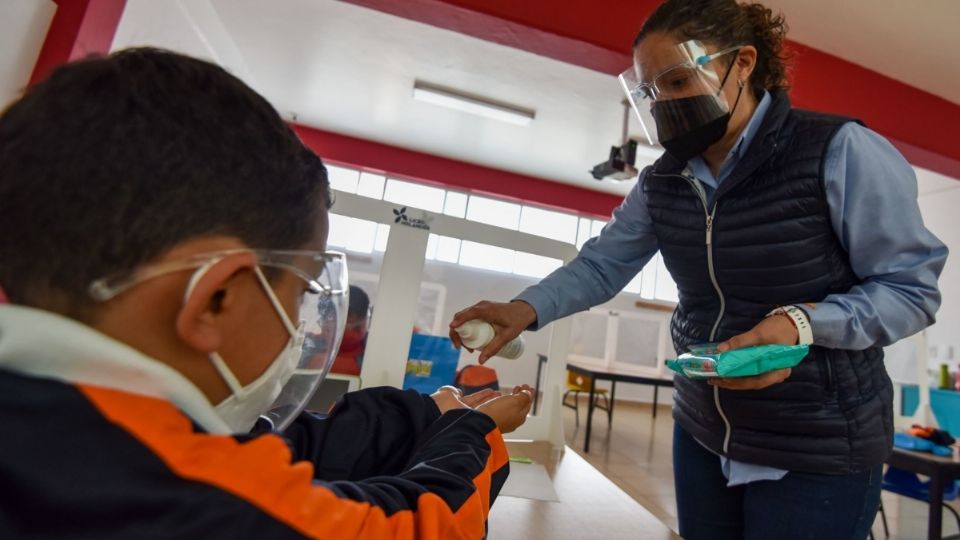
(212, 295)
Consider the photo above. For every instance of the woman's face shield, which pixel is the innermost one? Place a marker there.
(677, 90)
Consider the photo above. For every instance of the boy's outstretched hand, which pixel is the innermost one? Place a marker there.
(509, 412)
(448, 398)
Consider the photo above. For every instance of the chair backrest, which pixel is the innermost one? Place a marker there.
(474, 378)
(579, 380)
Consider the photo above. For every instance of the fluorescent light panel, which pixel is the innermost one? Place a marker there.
(453, 99)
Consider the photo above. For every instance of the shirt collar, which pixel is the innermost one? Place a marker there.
(42, 344)
(698, 167)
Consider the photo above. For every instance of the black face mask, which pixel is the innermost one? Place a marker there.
(688, 126)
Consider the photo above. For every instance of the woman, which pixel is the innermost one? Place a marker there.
(753, 206)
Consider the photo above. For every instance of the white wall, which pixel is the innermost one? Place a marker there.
(940, 205)
(23, 28)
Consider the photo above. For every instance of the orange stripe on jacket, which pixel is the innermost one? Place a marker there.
(260, 472)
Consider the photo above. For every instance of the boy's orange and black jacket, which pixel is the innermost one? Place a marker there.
(83, 461)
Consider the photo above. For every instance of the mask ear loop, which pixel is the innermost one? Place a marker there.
(275, 302)
(740, 83)
(218, 363)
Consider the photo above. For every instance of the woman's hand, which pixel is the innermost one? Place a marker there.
(508, 320)
(774, 330)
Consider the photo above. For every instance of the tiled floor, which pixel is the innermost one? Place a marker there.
(635, 455)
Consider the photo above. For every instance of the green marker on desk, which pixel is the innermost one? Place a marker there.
(520, 459)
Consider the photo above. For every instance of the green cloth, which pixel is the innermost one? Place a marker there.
(705, 361)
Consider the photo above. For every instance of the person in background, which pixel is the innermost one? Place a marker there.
(162, 229)
(350, 356)
(779, 226)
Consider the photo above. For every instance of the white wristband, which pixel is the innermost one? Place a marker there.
(800, 321)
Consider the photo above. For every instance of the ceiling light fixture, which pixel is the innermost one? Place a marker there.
(480, 106)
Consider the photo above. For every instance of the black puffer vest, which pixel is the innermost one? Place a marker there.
(766, 240)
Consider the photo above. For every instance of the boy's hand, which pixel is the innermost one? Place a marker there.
(509, 412)
(476, 399)
(447, 398)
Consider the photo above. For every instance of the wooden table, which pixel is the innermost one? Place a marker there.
(603, 373)
(940, 470)
(591, 506)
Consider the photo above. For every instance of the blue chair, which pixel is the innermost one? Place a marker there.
(910, 485)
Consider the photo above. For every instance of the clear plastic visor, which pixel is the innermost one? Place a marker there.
(679, 90)
(322, 318)
(318, 323)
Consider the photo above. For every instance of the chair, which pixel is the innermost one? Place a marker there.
(910, 485)
(577, 383)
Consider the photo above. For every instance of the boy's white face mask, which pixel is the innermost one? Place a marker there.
(246, 403)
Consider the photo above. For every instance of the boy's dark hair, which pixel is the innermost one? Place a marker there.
(359, 303)
(113, 160)
(728, 23)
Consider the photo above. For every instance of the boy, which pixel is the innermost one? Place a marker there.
(161, 227)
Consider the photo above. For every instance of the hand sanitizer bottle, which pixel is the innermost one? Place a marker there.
(476, 334)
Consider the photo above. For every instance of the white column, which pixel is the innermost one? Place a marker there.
(395, 307)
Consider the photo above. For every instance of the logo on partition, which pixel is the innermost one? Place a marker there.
(401, 217)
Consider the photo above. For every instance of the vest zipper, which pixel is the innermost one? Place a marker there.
(710, 214)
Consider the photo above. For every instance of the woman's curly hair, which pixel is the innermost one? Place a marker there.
(727, 23)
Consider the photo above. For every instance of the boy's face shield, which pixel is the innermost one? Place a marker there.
(323, 315)
(322, 312)
(678, 90)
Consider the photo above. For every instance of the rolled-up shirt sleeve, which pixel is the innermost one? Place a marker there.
(872, 194)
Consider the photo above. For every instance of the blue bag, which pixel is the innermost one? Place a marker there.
(432, 363)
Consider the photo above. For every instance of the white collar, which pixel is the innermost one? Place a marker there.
(43, 344)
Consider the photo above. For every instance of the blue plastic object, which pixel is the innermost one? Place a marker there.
(432, 363)
(945, 405)
(909, 442)
(909, 484)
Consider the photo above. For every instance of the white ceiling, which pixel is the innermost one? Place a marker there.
(915, 41)
(351, 70)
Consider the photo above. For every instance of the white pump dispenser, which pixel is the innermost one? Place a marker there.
(476, 334)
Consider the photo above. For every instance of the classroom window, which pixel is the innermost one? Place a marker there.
(549, 224)
(448, 249)
(535, 266)
(456, 204)
(493, 212)
(343, 179)
(383, 234)
(363, 236)
(486, 257)
(598, 226)
(371, 185)
(583, 232)
(415, 195)
(351, 233)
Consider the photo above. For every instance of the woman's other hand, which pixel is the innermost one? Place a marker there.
(774, 330)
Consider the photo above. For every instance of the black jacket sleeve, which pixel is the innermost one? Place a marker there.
(371, 432)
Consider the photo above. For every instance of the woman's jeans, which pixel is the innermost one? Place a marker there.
(799, 506)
